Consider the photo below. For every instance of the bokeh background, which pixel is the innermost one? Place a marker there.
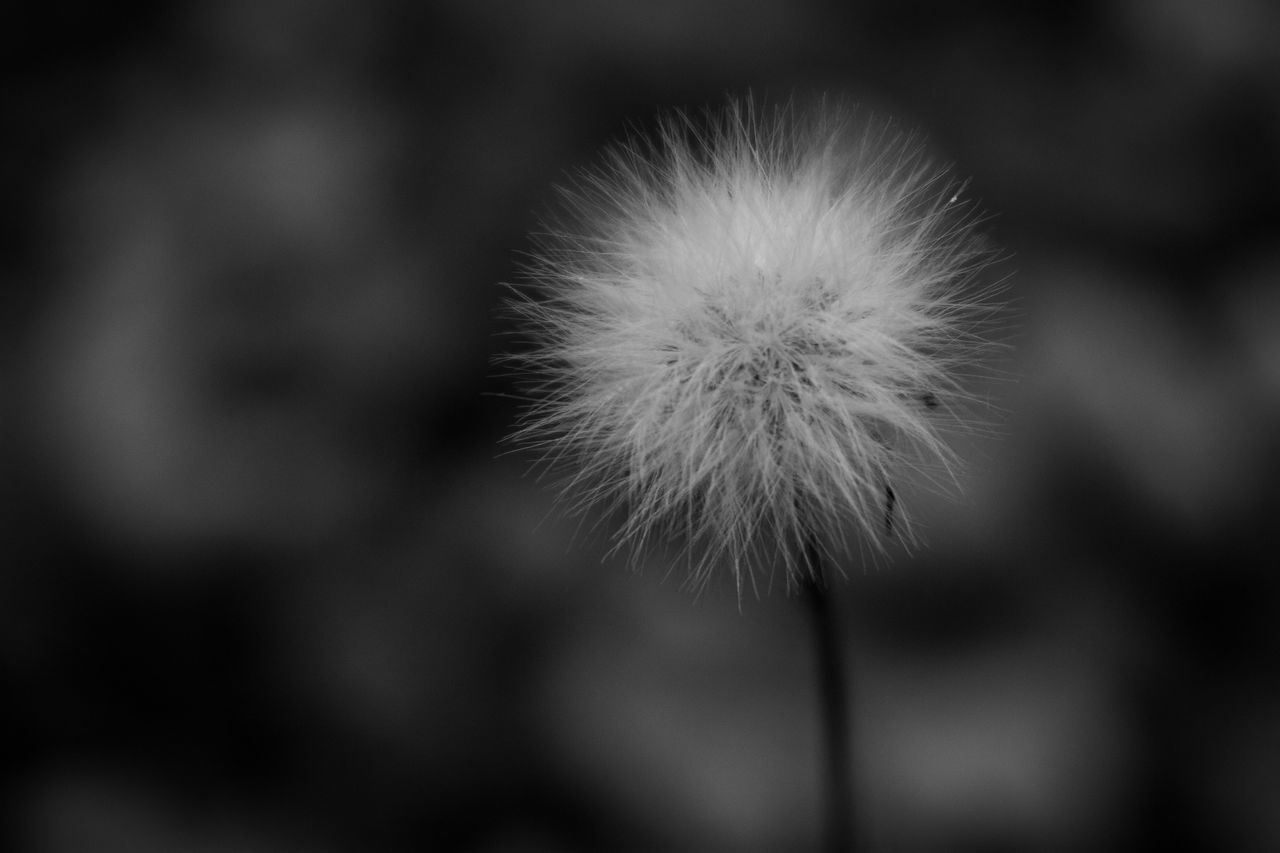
(268, 582)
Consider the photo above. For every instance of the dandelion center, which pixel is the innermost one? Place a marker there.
(753, 327)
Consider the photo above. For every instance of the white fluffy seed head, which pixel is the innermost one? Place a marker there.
(750, 326)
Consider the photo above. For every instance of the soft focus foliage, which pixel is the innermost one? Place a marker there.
(264, 586)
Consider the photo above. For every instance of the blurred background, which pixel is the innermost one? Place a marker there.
(268, 582)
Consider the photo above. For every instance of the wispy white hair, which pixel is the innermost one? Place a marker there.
(752, 322)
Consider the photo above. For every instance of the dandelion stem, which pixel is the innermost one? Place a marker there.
(836, 751)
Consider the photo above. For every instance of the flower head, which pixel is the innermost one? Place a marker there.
(752, 325)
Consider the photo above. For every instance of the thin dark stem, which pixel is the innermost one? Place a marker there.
(837, 741)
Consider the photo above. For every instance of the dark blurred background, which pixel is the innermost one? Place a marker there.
(267, 584)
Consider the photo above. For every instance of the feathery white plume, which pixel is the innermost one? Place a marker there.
(750, 326)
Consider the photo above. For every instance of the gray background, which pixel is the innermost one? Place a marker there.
(266, 583)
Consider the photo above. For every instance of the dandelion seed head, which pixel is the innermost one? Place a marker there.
(751, 327)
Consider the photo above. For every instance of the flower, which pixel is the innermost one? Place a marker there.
(751, 326)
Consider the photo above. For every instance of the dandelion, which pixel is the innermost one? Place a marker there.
(750, 327)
